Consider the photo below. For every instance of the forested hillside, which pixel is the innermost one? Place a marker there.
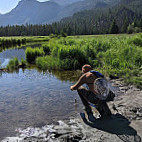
(121, 18)
(97, 21)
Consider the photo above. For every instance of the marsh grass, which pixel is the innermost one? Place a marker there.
(10, 42)
(118, 55)
(32, 53)
(13, 64)
(113, 51)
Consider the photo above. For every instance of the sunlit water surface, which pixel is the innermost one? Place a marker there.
(32, 98)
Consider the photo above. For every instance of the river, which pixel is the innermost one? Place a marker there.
(34, 98)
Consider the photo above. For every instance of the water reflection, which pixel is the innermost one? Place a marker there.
(5, 56)
(67, 75)
(8, 54)
(32, 98)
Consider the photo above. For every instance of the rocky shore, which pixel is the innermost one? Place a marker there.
(125, 125)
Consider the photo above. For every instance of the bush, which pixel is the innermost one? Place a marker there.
(63, 34)
(130, 29)
(13, 64)
(47, 62)
(31, 54)
(117, 55)
(73, 54)
(137, 41)
(46, 49)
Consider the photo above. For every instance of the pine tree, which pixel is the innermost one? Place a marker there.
(141, 23)
(113, 28)
(125, 25)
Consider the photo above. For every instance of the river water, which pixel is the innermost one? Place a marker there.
(34, 98)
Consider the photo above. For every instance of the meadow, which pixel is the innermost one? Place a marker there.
(115, 55)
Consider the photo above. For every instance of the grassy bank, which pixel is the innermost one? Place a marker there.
(117, 55)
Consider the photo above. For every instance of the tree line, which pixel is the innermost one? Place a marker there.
(118, 19)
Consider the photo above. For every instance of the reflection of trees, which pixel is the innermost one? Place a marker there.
(67, 75)
(13, 71)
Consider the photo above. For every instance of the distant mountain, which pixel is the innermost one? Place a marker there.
(80, 6)
(34, 12)
(31, 11)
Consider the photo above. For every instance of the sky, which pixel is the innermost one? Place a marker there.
(8, 5)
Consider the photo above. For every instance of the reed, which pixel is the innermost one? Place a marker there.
(13, 64)
(33, 53)
(118, 55)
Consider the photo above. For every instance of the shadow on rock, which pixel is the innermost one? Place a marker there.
(116, 124)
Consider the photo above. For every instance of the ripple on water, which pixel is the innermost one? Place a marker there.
(32, 98)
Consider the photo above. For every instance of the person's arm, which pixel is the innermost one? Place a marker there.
(81, 81)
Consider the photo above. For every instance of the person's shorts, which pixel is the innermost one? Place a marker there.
(93, 98)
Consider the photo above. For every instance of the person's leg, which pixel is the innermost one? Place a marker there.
(83, 93)
(88, 96)
(103, 109)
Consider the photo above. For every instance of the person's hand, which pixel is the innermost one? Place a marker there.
(72, 88)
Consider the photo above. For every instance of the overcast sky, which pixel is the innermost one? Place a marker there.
(8, 5)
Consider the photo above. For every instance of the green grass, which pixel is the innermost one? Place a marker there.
(17, 41)
(118, 55)
(13, 64)
(32, 53)
(27, 38)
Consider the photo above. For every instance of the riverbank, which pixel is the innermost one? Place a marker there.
(116, 55)
(124, 125)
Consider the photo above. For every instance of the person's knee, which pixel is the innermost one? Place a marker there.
(81, 90)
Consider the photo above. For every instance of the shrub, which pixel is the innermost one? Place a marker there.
(23, 63)
(31, 54)
(13, 64)
(47, 62)
(63, 34)
(130, 29)
(73, 53)
(46, 49)
(137, 41)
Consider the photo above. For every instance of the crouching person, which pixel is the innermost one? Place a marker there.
(97, 92)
